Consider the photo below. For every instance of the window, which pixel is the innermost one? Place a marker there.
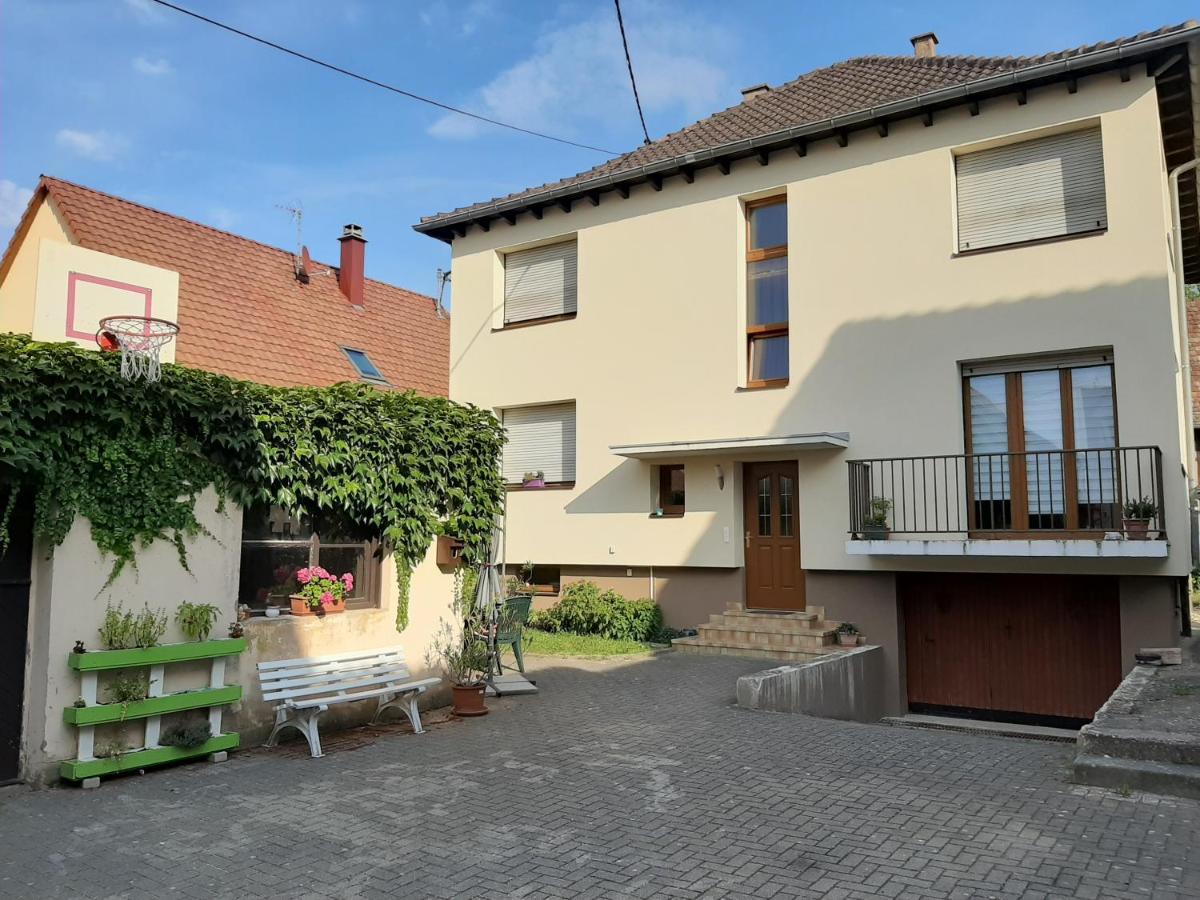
(671, 494)
(1045, 188)
(540, 283)
(1036, 411)
(767, 292)
(540, 439)
(275, 545)
(363, 365)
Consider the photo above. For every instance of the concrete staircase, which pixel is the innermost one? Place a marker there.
(797, 636)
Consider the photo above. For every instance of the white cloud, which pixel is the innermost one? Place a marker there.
(145, 10)
(152, 67)
(13, 199)
(575, 81)
(100, 146)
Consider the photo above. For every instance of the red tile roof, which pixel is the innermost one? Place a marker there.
(243, 313)
(841, 89)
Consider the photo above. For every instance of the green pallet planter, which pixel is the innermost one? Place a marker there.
(75, 770)
(100, 660)
(152, 706)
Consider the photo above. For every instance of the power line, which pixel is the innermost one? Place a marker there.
(629, 63)
(372, 81)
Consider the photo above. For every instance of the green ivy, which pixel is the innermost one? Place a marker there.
(403, 589)
(132, 457)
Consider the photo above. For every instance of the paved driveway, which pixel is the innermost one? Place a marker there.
(634, 779)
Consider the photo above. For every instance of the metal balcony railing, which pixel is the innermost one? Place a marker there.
(1065, 493)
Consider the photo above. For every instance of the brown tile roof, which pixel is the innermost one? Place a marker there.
(243, 313)
(838, 90)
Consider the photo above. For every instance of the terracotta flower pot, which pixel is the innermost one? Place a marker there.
(300, 606)
(848, 640)
(1137, 529)
(468, 700)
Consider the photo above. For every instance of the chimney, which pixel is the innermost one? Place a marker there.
(925, 45)
(754, 90)
(352, 273)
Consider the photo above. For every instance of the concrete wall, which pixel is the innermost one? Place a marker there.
(687, 596)
(1149, 616)
(869, 601)
(68, 600)
(844, 686)
(883, 310)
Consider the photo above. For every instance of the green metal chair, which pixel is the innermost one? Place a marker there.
(511, 629)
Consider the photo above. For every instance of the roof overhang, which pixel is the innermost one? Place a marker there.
(739, 447)
(1153, 50)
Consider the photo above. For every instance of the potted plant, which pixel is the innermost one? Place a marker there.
(196, 619)
(1137, 516)
(534, 479)
(875, 522)
(465, 659)
(321, 592)
(847, 634)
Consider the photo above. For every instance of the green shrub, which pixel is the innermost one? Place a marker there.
(124, 630)
(585, 609)
(186, 734)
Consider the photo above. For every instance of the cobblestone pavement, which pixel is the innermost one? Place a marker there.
(630, 779)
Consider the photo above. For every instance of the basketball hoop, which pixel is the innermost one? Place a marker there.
(140, 340)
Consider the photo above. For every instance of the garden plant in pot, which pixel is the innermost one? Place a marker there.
(875, 521)
(320, 592)
(1137, 516)
(534, 479)
(847, 634)
(465, 659)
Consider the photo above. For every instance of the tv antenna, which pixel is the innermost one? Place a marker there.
(442, 278)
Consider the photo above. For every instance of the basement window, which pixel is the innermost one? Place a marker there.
(363, 365)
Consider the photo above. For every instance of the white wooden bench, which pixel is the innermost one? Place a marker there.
(302, 689)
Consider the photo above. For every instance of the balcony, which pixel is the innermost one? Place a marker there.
(1037, 503)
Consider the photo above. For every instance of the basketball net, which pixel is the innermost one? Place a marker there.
(140, 340)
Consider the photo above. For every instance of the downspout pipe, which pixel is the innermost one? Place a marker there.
(1185, 357)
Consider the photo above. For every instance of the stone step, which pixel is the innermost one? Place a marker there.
(769, 621)
(810, 612)
(798, 640)
(725, 648)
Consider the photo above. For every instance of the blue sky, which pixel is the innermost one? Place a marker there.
(142, 102)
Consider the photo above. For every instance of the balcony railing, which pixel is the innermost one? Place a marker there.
(1050, 493)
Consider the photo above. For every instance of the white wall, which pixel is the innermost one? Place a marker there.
(882, 312)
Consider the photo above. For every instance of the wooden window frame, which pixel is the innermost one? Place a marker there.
(774, 329)
(671, 510)
(1018, 482)
(368, 590)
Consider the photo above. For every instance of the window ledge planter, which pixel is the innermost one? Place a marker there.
(300, 607)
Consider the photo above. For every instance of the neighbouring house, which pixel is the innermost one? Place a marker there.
(248, 311)
(895, 343)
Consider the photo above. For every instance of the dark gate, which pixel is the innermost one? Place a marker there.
(1011, 647)
(14, 613)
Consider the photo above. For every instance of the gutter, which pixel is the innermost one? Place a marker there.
(1006, 82)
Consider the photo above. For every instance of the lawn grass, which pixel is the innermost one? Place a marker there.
(547, 643)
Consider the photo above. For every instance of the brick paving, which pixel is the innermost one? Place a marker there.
(630, 779)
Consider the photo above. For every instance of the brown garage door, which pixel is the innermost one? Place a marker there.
(1014, 647)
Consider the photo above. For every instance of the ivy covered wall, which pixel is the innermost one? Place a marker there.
(78, 440)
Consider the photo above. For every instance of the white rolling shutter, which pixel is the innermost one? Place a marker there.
(1047, 187)
(540, 439)
(540, 282)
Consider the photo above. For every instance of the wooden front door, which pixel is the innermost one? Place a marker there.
(1011, 647)
(14, 608)
(774, 579)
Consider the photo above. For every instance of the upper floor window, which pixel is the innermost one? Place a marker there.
(540, 283)
(767, 292)
(1043, 188)
(541, 444)
(276, 545)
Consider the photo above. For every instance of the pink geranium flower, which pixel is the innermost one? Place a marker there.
(304, 576)
(327, 599)
(348, 581)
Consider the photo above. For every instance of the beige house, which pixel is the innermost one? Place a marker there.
(898, 341)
